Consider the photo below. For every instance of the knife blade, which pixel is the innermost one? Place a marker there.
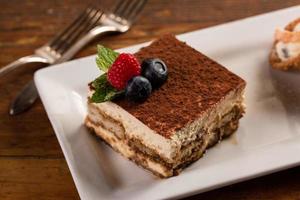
(24, 101)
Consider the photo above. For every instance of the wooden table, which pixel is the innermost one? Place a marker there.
(32, 165)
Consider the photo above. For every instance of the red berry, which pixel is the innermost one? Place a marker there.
(124, 68)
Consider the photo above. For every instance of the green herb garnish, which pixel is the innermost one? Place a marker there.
(105, 57)
(103, 90)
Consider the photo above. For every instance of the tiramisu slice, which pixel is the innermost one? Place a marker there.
(200, 103)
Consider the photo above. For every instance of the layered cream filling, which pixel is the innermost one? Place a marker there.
(125, 126)
(126, 151)
(189, 153)
(209, 136)
(210, 119)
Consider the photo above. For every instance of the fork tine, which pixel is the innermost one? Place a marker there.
(84, 29)
(126, 11)
(69, 31)
(136, 10)
(119, 8)
(55, 41)
(92, 19)
(99, 13)
(129, 9)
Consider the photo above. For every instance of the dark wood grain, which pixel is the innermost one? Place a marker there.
(32, 165)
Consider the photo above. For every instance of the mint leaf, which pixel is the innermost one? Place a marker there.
(112, 93)
(98, 96)
(105, 94)
(105, 57)
(103, 90)
(99, 82)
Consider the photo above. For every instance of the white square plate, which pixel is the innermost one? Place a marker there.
(267, 140)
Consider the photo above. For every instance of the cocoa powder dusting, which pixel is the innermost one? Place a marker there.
(195, 83)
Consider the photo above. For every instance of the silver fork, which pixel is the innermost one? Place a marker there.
(55, 49)
(119, 20)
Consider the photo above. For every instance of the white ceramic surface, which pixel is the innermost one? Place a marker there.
(267, 140)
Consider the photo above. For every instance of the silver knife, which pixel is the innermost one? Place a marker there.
(25, 99)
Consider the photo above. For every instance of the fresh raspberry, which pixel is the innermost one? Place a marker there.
(124, 68)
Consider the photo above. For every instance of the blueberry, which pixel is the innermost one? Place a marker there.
(138, 89)
(155, 70)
